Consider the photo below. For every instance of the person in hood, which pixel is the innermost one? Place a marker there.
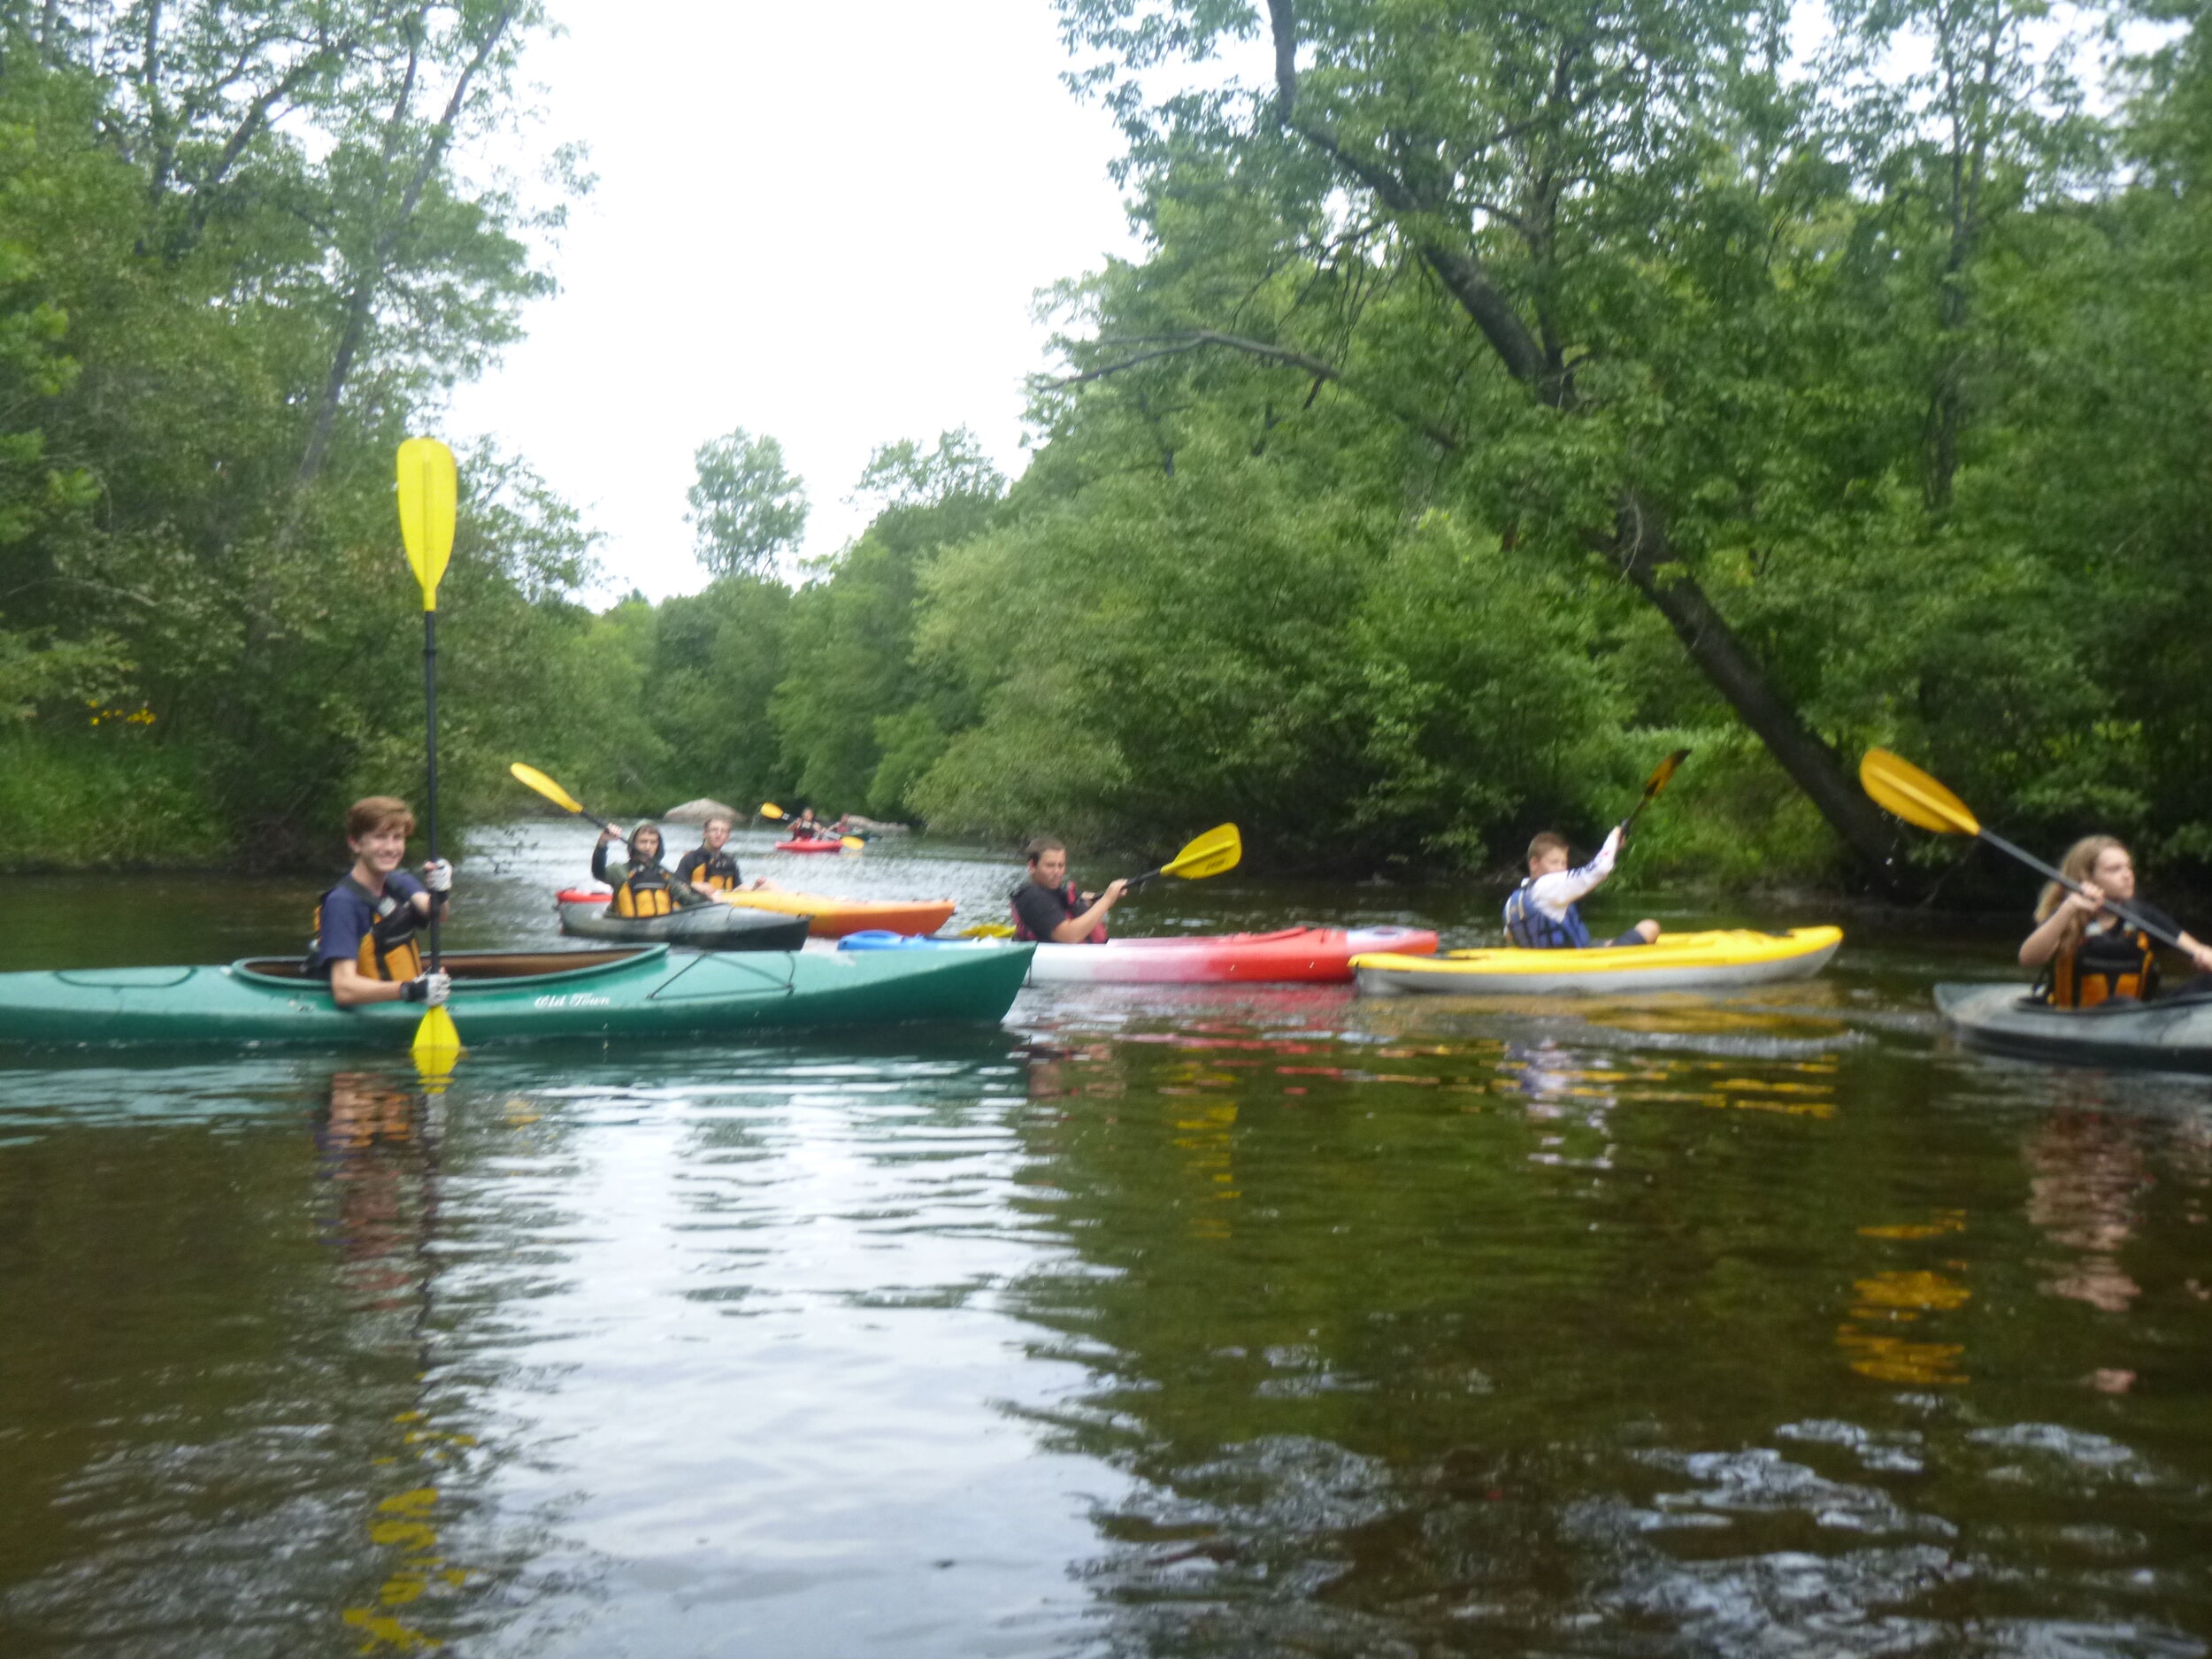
(643, 885)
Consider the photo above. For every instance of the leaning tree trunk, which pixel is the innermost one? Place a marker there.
(1637, 542)
(1645, 559)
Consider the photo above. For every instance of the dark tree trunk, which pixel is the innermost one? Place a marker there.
(1644, 558)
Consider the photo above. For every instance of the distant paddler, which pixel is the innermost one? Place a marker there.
(365, 927)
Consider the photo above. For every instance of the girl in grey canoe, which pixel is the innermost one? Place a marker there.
(2088, 954)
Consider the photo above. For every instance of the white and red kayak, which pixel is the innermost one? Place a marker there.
(1296, 955)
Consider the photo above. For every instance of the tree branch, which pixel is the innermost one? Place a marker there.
(1198, 339)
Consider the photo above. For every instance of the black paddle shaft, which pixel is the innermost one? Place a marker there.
(430, 748)
(2126, 912)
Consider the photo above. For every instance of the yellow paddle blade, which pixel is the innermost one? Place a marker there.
(1218, 850)
(437, 1045)
(987, 930)
(531, 777)
(428, 488)
(1663, 772)
(768, 809)
(853, 843)
(1901, 787)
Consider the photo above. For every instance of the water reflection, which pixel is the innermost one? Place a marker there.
(1533, 1368)
(1167, 1323)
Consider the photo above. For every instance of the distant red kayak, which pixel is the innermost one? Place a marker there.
(811, 847)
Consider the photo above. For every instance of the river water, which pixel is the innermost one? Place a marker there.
(1182, 1321)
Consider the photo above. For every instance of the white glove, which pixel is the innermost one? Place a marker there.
(437, 875)
(430, 988)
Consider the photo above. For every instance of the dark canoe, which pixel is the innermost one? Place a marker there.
(701, 927)
(2170, 1034)
(499, 997)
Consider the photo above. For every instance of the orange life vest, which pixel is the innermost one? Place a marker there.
(388, 951)
(644, 892)
(2067, 985)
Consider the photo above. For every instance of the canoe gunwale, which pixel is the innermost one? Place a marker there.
(612, 960)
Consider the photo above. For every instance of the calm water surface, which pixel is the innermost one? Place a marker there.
(1188, 1322)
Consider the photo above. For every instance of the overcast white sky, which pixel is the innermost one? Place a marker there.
(823, 222)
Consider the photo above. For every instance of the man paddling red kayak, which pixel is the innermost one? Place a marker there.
(1048, 908)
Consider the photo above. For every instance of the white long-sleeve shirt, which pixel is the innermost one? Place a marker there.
(1555, 894)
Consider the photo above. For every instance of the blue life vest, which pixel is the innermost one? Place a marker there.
(1532, 927)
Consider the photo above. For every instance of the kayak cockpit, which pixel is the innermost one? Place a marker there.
(473, 967)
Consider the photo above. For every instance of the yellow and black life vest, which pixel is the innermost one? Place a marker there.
(2126, 964)
(644, 892)
(388, 950)
(705, 869)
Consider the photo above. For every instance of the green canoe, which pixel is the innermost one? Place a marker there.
(500, 996)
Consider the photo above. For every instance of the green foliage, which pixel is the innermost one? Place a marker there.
(236, 259)
(746, 511)
(114, 797)
(1500, 400)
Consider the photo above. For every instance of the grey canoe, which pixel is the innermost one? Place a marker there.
(2172, 1033)
(702, 927)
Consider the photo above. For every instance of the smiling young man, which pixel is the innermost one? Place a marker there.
(365, 927)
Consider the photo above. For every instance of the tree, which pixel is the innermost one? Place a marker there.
(747, 511)
(1593, 185)
(903, 474)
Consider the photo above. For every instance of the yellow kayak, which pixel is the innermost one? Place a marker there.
(1680, 962)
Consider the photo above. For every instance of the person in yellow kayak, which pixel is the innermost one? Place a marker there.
(1545, 911)
(642, 885)
(1049, 909)
(365, 927)
(2088, 954)
(708, 867)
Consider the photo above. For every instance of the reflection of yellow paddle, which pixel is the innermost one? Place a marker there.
(428, 489)
(1218, 849)
(1901, 787)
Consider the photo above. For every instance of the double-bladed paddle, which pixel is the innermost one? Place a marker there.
(531, 777)
(1899, 786)
(429, 488)
(1218, 850)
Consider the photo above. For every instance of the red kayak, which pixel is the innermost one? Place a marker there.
(1310, 955)
(811, 847)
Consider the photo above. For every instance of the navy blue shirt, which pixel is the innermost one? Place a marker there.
(347, 919)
